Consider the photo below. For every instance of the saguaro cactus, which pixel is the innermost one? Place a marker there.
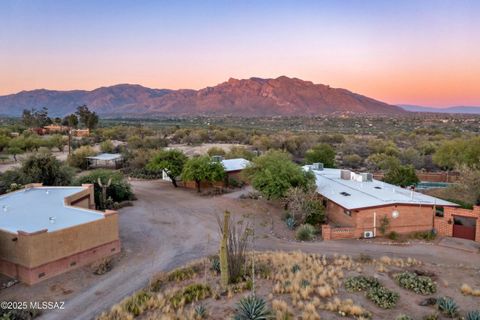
(104, 191)
(224, 273)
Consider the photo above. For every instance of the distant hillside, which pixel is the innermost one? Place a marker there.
(250, 97)
(457, 109)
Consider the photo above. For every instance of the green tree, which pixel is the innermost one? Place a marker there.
(45, 168)
(401, 175)
(323, 153)
(88, 118)
(4, 142)
(171, 161)
(71, 120)
(107, 146)
(274, 173)
(78, 158)
(202, 168)
(36, 118)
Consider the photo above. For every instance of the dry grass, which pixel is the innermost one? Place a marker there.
(295, 284)
(467, 290)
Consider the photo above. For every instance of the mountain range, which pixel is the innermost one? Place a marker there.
(252, 97)
(455, 109)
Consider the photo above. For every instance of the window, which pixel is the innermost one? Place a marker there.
(347, 212)
(439, 212)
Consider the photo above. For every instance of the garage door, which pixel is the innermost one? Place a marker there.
(464, 227)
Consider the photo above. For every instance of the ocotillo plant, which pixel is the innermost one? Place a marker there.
(224, 272)
(104, 192)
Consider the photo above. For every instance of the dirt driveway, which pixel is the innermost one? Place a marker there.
(168, 227)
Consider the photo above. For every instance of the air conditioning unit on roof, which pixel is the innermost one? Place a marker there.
(368, 234)
(318, 166)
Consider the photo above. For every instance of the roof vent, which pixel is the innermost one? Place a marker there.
(346, 194)
(4, 207)
(367, 177)
(317, 166)
(47, 192)
(345, 174)
(51, 219)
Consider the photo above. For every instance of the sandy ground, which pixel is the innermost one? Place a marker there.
(202, 149)
(168, 227)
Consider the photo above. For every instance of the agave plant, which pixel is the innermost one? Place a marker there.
(200, 311)
(252, 308)
(447, 306)
(473, 315)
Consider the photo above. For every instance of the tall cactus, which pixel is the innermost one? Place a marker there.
(224, 273)
(104, 188)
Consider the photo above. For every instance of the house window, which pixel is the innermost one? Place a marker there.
(347, 212)
(439, 212)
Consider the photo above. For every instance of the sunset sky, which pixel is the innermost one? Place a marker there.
(416, 52)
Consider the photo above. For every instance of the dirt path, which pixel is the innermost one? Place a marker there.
(168, 227)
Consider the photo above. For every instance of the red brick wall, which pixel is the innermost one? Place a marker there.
(335, 233)
(444, 225)
(411, 218)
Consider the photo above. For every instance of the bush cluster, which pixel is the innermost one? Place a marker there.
(378, 294)
(413, 282)
(306, 232)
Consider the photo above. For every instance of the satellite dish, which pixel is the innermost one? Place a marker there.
(395, 214)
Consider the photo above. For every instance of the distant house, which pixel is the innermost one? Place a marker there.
(357, 205)
(45, 231)
(106, 160)
(55, 128)
(80, 132)
(233, 168)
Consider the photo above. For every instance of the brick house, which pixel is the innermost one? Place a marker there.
(459, 223)
(357, 205)
(45, 231)
(233, 169)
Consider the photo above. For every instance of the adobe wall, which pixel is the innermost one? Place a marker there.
(444, 225)
(83, 199)
(45, 247)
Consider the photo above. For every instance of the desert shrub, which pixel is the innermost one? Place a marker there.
(107, 146)
(103, 267)
(469, 291)
(78, 158)
(136, 303)
(191, 293)
(119, 189)
(234, 182)
(424, 235)
(306, 232)
(42, 167)
(304, 206)
(252, 308)
(215, 264)
(392, 235)
(403, 317)
(361, 283)
(383, 297)
(433, 316)
(447, 307)
(182, 274)
(19, 314)
(384, 224)
(413, 282)
(473, 315)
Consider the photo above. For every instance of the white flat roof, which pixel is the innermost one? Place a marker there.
(235, 164)
(40, 208)
(106, 156)
(352, 194)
